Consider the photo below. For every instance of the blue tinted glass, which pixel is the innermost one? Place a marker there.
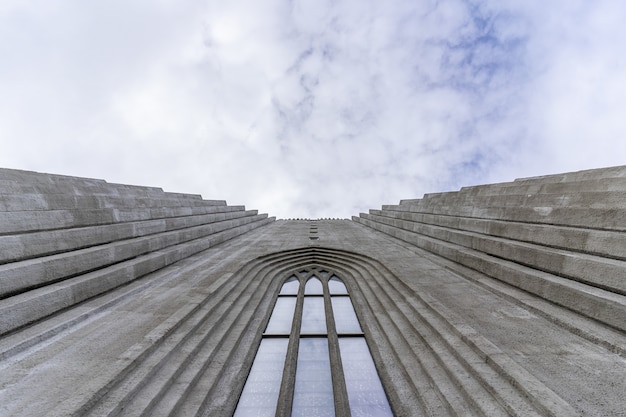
(260, 394)
(313, 391)
(313, 316)
(282, 316)
(365, 391)
(345, 317)
(313, 287)
(335, 286)
(290, 286)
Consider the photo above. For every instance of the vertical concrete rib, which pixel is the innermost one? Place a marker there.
(480, 389)
(129, 285)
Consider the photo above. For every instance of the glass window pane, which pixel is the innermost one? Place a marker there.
(345, 317)
(282, 316)
(313, 287)
(335, 286)
(290, 286)
(365, 391)
(260, 394)
(313, 391)
(313, 316)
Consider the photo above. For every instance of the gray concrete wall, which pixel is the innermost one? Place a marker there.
(160, 311)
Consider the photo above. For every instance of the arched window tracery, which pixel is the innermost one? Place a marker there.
(313, 326)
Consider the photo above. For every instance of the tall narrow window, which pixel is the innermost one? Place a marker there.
(297, 334)
(365, 392)
(282, 316)
(366, 396)
(260, 394)
(313, 391)
(313, 314)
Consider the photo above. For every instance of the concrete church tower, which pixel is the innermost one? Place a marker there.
(505, 299)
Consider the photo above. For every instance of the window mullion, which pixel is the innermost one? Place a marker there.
(342, 407)
(285, 398)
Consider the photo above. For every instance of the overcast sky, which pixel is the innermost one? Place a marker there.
(315, 108)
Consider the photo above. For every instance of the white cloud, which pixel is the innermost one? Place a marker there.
(311, 108)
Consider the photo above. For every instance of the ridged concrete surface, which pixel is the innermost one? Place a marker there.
(553, 245)
(470, 305)
(537, 234)
(68, 239)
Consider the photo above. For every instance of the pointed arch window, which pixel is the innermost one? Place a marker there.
(313, 359)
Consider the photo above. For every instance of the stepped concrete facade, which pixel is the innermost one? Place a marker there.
(502, 299)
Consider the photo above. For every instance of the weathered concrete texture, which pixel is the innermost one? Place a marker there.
(471, 305)
(68, 239)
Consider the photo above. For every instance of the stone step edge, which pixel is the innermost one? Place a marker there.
(583, 326)
(66, 240)
(36, 304)
(573, 239)
(67, 321)
(30, 274)
(597, 200)
(35, 202)
(12, 223)
(617, 171)
(585, 185)
(608, 269)
(587, 218)
(617, 184)
(72, 183)
(600, 305)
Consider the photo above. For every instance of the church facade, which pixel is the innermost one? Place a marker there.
(495, 300)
